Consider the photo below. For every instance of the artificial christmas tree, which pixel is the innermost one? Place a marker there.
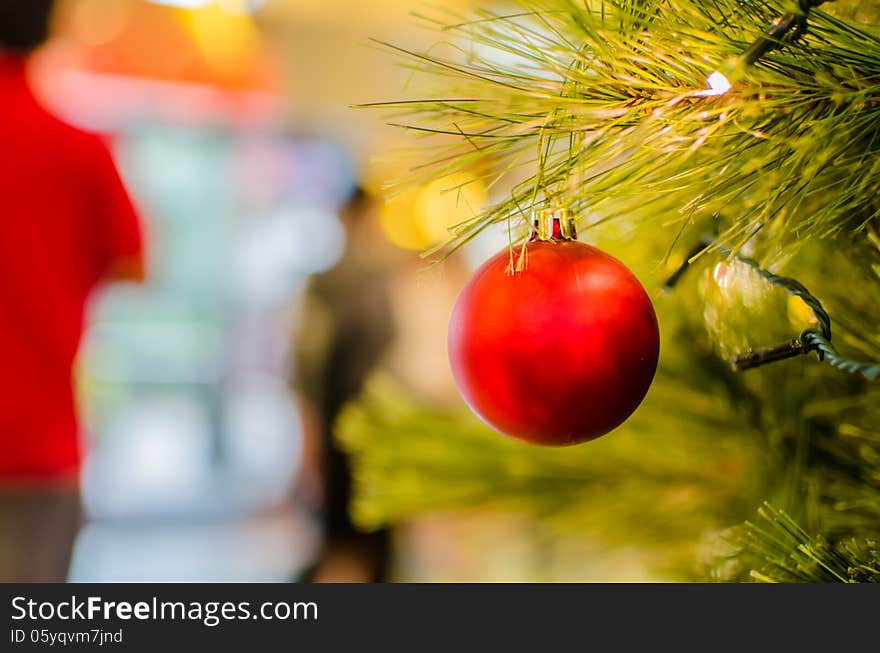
(729, 152)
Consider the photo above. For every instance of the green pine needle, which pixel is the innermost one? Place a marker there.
(602, 106)
(785, 552)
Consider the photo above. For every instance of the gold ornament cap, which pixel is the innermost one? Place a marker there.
(553, 225)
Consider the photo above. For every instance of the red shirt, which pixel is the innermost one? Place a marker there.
(65, 219)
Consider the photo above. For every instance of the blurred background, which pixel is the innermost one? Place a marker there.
(286, 303)
(231, 125)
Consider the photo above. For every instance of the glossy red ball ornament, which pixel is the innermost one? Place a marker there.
(560, 352)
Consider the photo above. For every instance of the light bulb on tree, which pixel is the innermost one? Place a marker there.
(718, 83)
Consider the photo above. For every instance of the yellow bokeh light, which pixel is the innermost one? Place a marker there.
(422, 217)
(799, 314)
(398, 221)
(229, 40)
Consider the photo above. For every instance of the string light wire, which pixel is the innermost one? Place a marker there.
(720, 82)
(816, 339)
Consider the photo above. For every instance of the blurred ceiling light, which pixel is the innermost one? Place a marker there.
(230, 43)
(232, 6)
(216, 43)
(183, 4)
(95, 22)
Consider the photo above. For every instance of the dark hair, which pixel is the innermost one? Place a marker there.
(357, 196)
(24, 24)
(356, 205)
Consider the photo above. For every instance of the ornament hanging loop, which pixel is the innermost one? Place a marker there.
(553, 225)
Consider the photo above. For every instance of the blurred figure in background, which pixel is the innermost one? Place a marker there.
(66, 224)
(346, 327)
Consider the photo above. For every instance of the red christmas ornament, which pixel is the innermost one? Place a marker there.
(561, 352)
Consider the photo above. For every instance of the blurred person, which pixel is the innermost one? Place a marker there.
(66, 224)
(346, 326)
